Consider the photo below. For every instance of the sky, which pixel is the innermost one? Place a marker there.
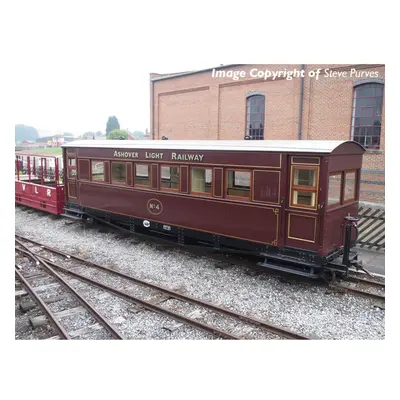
(80, 63)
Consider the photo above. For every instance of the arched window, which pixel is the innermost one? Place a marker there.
(367, 114)
(255, 117)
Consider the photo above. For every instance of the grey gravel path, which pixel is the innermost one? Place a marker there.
(301, 307)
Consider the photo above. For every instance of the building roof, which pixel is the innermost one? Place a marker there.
(194, 72)
(302, 146)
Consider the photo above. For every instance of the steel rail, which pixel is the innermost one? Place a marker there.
(46, 310)
(363, 293)
(98, 317)
(254, 321)
(145, 304)
(366, 281)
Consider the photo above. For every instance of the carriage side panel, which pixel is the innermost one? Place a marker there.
(258, 223)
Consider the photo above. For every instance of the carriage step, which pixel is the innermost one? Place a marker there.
(287, 269)
(72, 216)
(76, 210)
(290, 260)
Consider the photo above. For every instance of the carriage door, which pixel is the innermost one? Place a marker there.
(302, 212)
(72, 189)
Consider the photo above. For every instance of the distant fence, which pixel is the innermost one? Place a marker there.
(371, 227)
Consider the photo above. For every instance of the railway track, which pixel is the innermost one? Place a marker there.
(48, 304)
(164, 294)
(370, 288)
(361, 278)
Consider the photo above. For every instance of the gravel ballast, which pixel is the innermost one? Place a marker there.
(305, 308)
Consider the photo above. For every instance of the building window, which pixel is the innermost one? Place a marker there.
(142, 175)
(201, 181)
(304, 187)
(97, 170)
(335, 188)
(170, 177)
(255, 117)
(350, 186)
(367, 115)
(118, 173)
(238, 184)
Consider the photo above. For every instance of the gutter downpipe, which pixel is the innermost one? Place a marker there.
(152, 109)
(302, 66)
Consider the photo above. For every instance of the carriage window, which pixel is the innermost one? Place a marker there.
(201, 180)
(350, 186)
(304, 177)
(170, 177)
(97, 170)
(142, 175)
(334, 190)
(304, 198)
(71, 167)
(118, 172)
(238, 183)
(304, 186)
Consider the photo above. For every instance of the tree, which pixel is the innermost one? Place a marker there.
(112, 124)
(118, 134)
(24, 132)
(138, 135)
(89, 135)
(68, 134)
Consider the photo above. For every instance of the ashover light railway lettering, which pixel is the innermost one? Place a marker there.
(126, 154)
(160, 156)
(187, 157)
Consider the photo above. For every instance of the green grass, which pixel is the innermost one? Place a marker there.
(51, 150)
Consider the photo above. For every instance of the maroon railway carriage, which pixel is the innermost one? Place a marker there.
(38, 181)
(290, 202)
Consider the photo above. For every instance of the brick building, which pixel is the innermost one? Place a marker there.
(261, 101)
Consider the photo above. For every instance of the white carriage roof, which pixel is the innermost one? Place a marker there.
(306, 146)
